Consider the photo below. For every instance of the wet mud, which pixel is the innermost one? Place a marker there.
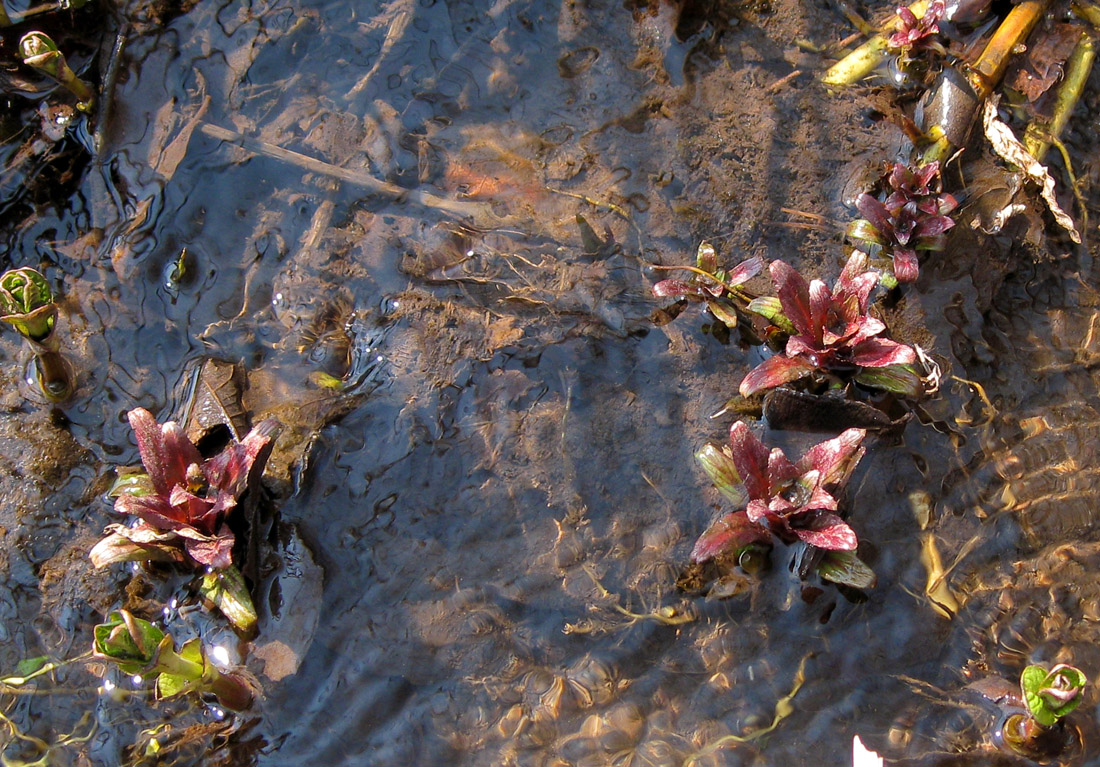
(420, 231)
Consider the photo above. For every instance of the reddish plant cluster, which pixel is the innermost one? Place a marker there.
(792, 501)
(913, 217)
(831, 332)
(182, 500)
(913, 34)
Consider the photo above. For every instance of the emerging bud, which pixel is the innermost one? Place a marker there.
(26, 302)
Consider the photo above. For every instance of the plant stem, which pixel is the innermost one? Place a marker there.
(987, 71)
(54, 375)
(455, 208)
(701, 272)
(1039, 135)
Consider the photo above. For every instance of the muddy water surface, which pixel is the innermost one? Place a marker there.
(477, 544)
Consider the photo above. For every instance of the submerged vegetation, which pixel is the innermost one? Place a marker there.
(194, 518)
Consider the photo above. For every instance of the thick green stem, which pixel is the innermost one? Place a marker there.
(1039, 135)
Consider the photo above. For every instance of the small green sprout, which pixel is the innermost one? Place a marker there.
(138, 647)
(40, 52)
(27, 303)
(1049, 696)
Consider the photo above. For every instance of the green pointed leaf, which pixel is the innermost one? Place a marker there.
(724, 315)
(226, 589)
(1031, 681)
(771, 309)
(705, 258)
(864, 231)
(28, 666)
(722, 471)
(845, 568)
(170, 685)
(131, 481)
(116, 547)
(192, 651)
(900, 379)
(130, 642)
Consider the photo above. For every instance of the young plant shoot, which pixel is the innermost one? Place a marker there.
(27, 304)
(792, 501)
(720, 290)
(138, 647)
(181, 503)
(832, 335)
(1049, 697)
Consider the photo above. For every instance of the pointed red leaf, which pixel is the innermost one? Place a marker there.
(780, 470)
(674, 288)
(821, 298)
(827, 531)
(229, 470)
(775, 371)
(194, 510)
(821, 499)
(153, 509)
(905, 264)
(729, 533)
(751, 459)
(165, 450)
(876, 215)
(933, 226)
(882, 352)
(794, 295)
(836, 457)
(803, 347)
(215, 552)
(758, 512)
(745, 270)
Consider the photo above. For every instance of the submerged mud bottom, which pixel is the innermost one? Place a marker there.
(485, 495)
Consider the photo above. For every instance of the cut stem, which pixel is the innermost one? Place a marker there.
(987, 71)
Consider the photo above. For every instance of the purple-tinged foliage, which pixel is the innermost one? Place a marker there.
(832, 331)
(912, 33)
(711, 285)
(793, 501)
(182, 503)
(913, 217)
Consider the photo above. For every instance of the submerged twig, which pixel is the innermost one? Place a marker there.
(371, 184)
(107, 90)
(398, 24)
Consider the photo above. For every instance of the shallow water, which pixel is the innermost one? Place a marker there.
(513, 456)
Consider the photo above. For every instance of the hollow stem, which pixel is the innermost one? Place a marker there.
(54, 375)
(987, 71)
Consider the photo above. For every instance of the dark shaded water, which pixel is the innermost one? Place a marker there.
(513, 455)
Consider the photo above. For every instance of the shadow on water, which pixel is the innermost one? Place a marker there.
(448, 208)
